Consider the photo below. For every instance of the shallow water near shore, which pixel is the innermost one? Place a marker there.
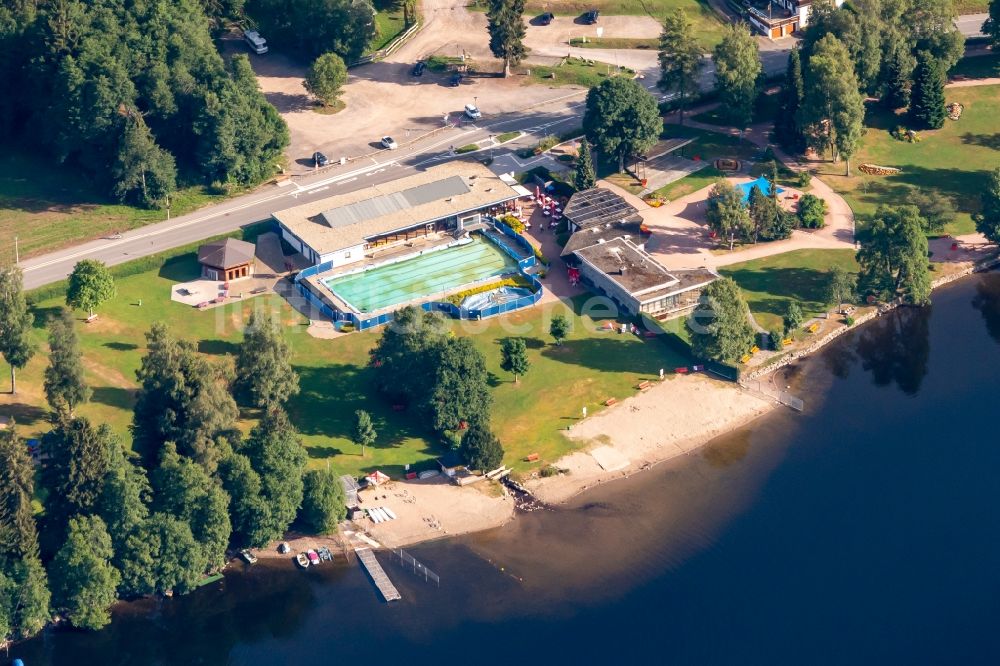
(861, 531)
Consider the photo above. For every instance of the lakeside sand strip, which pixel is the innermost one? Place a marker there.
(673, 418)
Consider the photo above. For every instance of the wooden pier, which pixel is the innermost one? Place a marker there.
(374, 569)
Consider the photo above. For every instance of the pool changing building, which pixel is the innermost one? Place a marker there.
(608, 249)
(360, 225)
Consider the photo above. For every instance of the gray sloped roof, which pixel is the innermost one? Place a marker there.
(387, 204)
(226, 253)
(597, 205)
(593, 235)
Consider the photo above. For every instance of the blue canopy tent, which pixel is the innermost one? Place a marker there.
(763, 183)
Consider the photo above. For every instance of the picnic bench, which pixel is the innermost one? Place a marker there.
(609, 402)
(531, 457)
(91, 318)
(643, 385)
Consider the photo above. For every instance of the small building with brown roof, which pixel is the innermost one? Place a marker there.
(227, 260)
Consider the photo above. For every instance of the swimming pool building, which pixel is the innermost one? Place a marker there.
(343, 229)
(428, 239)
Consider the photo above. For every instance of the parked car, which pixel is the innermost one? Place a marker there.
(472, 112)
(591, 16)
(546, 18)
(418, 69)
(388, 142)
(319, 159)
(249, 557)
(456, 78)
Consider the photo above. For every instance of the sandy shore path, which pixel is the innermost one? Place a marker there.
(671, 419)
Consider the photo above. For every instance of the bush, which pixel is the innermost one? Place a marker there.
(516, 225)
(812, 210)
(775, 338)
(793, 317)
(549, 470)
(515, 281)
(547, 143)
(849, 320)
(804, 178)
(540, 257)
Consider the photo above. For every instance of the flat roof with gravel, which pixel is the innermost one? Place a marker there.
(638, 273)
(350, 219)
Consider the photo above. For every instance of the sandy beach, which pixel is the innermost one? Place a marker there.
(671, 419)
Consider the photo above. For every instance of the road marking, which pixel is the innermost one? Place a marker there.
(318, 189)
(349, 180)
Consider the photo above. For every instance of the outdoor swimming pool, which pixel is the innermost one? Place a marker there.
(421, 276)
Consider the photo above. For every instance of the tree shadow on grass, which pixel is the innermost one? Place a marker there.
(984, 140)
(114, 396)
(218, 347)
(620, 353)
(24, 414)
(121, 346)
(43, 315)
(807, 285)
(184, 268)
(330, 395)
(962, 186)
(321, 452)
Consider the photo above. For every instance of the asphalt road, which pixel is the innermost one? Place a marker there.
(971, 25)
(258, 206)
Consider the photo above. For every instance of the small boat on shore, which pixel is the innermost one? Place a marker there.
(302, 560)
(313, 557)
(248, 557)
(325, 554)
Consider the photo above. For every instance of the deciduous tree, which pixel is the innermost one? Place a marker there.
(988, 218)
(793, 318)
(833, 109)
(65, 387)
(812, 211)
(457, 387)
(893, 256)
(720, 323)
(559, 328)
(264, 373)
(83, 578)
(182, 399)
(936, 210)
(16, 345)
(681, 59)
(727, 215)
(621, 119)
(514, 357)
(326, 77)
(90, 285)
(248, 510)
(364, 434)
(480, 448)
(991, 26)
(737, 66)
(277, 455)
(841, 286)
(322, 502)
(79, 457)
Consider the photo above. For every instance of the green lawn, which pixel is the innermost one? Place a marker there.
(49, 206)
(769, 284)
(616, 43)
(690, 183)
(952, 161)
(971, 6)
(573, 72)
(590, 367)
(390, 23)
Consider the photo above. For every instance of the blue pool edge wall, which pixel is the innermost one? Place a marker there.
(362, 323)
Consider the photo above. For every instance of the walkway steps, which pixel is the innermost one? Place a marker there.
(367, 558)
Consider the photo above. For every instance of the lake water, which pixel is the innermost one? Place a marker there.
(863, 531)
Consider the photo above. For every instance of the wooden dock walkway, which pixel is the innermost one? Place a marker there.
(374, 569)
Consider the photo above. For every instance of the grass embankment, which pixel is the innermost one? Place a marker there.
(952, 162)
(390, 24)
(771, 283)
(971, 6)
(49, 206)
(590, 367)
(615, 43)
(573, 72)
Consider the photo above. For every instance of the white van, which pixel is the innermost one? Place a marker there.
(256, 43)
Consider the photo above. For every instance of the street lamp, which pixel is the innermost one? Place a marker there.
(491, 147)
(475, 101)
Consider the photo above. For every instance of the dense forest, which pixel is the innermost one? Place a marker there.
(134, 94)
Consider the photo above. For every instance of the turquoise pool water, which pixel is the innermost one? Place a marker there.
(424, 275)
